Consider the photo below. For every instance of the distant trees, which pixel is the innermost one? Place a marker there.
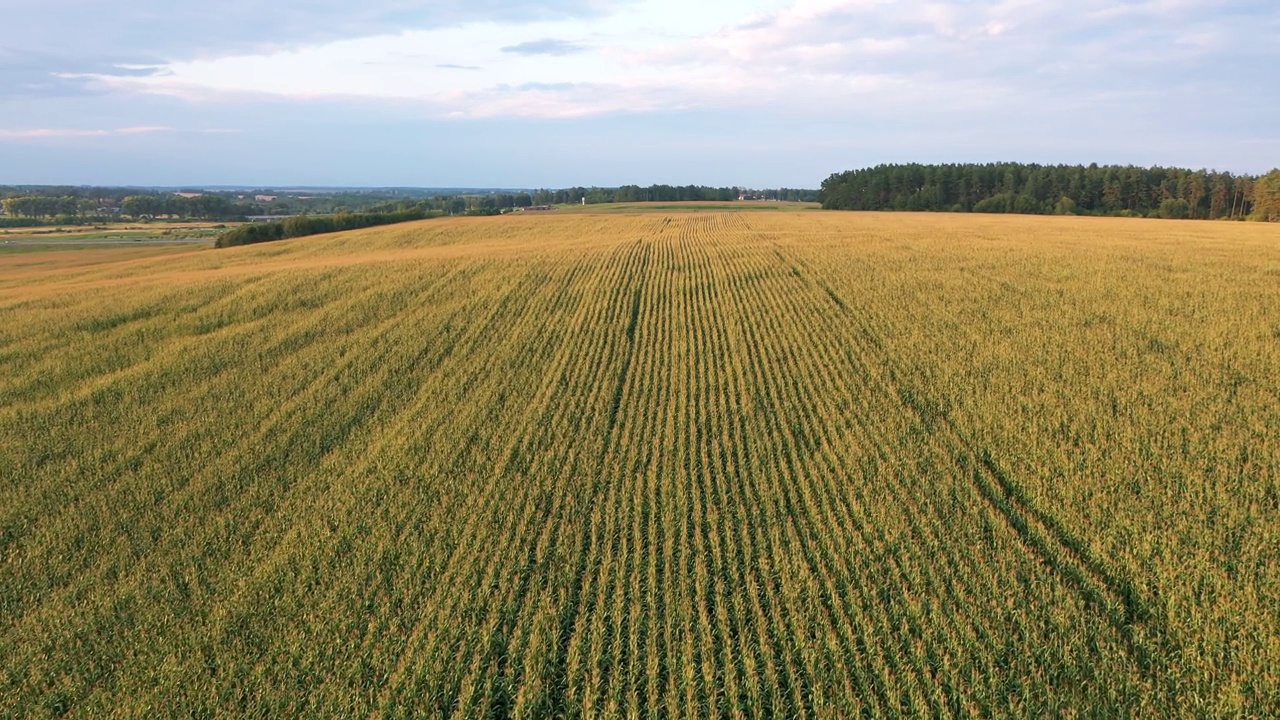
(1266, 197)
(142, 205)
(1174, 209)
(1048, 189)
(303, 225)
(495, 202)
(203, 207)
(29, 206)
(48, 207)
(665, 193)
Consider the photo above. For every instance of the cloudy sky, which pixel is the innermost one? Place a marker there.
(565, 92)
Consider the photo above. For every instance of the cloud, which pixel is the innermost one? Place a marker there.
(817, 58)
(546, 86)
(35, 75)
(546, 46)
(47, 133)
(71, 133)
(764, 91)
(79, 37)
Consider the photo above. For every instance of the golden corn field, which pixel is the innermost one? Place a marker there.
(648, 465)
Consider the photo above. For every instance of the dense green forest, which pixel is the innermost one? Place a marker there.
(1056, 189)
(1266, 197)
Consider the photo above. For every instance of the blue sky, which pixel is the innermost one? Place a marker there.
(557, 93)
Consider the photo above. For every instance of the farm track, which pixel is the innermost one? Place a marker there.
(1043, 535)
(705, 465)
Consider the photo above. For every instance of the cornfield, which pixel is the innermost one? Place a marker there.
(758, 465)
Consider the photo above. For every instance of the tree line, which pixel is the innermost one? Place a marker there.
(491, 203)
(1266, 197)
(73, 210)
(33, 206)
(667, 193)
(304, 225)
(635, 193)
(204, 207)
(1055, 189)
(49, 206)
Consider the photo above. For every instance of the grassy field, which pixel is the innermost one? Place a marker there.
(15, 239)
(717, 465)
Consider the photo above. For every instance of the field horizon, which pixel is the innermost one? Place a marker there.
(670, 463)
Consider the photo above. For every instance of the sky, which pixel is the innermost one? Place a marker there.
(495, 93)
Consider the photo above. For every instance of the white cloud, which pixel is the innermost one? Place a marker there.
(53, 133)
(566, 68)
(70, 133)
(48, 45)
(166, 30)
(825, 56)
